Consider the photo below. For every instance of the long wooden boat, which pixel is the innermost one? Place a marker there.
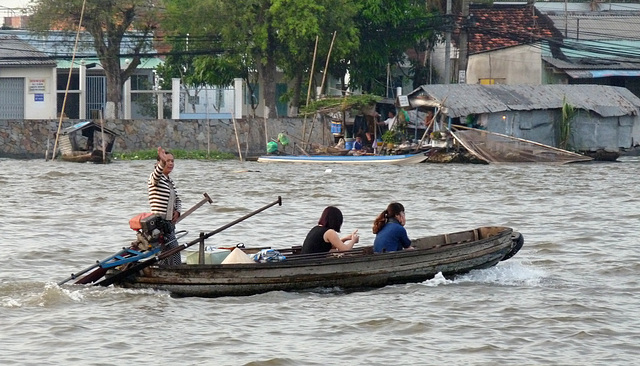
(346, 159)
(450, 254)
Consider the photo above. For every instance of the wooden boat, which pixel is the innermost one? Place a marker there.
(450, 254)
(346, 159)
(85, 141)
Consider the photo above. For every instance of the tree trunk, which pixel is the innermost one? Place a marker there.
(266, 62)
(268, 81)
(295, 99)
(113, 109)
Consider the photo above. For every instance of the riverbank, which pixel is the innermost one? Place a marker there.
(35, 139)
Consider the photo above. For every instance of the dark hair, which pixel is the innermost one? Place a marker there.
(331, 218)
(392, 210)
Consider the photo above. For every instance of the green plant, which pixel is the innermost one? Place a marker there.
(177, 154)
(390, 137)
(569, 113)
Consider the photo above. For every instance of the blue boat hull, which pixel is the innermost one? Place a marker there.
(346, 159)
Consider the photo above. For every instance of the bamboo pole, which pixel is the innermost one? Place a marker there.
(104, 147)
(326, 66)
(266, 135)
(313, 65)
(324, 77)
(235, 129)
(66, 91)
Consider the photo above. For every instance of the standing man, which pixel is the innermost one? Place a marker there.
(164, 199)
(390, 121)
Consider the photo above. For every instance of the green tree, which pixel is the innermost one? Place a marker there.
(265, 33)
(388, 29)
(196, 71)
(109, 22)
(329, 16)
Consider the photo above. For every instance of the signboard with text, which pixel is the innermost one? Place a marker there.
(37, 85)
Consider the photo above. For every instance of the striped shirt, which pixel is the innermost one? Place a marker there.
(160, 187)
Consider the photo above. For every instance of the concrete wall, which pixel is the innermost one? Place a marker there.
(512, 66)
(31, 138)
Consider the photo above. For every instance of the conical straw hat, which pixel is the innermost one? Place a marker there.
(237, 256)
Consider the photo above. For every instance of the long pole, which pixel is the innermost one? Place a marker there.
(142, 265)
(324, 77)
(447, 46)
(99, 273)
(104, 147)
(266, 134)
(313, 65)
(235, 128)
(66, 92)
(326, 66)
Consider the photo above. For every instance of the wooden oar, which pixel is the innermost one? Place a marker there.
(142, 265)
(195, 207)
(98, 273)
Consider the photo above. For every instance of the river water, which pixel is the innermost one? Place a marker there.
(569, 297)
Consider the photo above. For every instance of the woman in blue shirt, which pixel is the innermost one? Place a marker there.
(391, 236)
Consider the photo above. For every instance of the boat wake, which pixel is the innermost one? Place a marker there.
(511, 273)
(49, 294)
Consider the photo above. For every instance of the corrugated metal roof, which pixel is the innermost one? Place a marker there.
(146, 63)
(608, 7)
(14, 52)
(61, 44)
(589, 63)
(464, 99)
(598, 26)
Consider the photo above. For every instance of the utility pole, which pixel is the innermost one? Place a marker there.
(447, 46)
(463, 56)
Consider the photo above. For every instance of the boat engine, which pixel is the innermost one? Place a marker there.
(152, 231)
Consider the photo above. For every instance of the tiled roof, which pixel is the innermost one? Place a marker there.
(501, 26)
(14, 52)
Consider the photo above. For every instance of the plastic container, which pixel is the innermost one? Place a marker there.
(348, 143)
(336, 127)
(211, 256)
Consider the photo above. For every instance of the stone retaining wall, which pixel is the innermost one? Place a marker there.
(31, 138)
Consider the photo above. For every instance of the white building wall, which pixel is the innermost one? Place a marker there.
(39, 90)
(512, 66)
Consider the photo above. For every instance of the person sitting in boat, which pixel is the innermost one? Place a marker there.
(164, 199)
(391, 236)
(358, 147)
(324, 237)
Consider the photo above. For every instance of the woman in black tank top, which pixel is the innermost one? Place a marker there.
(324, 237)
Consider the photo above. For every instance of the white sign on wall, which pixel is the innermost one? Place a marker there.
(37, 85)
(403, 100)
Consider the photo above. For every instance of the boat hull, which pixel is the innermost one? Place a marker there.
(347, 159)
(449, 254)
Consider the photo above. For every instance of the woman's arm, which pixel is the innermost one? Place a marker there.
(346, 243)
(404, 239)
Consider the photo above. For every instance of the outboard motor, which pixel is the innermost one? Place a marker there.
(150, 230)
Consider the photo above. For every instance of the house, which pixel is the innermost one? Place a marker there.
(506, 44)
(600, 46)
(86, 95)
(607, 119)
(517, 44)
(27, 81)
